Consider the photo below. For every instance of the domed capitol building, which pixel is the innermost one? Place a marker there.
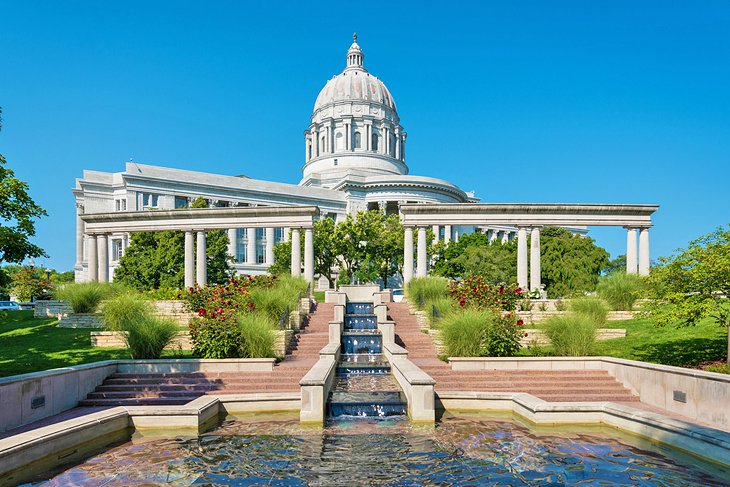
(355, 159)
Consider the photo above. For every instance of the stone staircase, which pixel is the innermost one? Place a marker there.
(180, 388)
(549, 385)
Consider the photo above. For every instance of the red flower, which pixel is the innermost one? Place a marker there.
(462, 303)
(201, 312)
(251, 306)
(520, 322)
(525, 333)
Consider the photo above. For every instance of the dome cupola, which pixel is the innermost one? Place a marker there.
(354, 127)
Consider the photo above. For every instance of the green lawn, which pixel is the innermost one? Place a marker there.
(668, 345)
(30, 344)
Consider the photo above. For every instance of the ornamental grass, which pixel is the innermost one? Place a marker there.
(595, 309)
(463, 333)
(573, 335)
(620, 290)
(437, 309)
(258, 339)
(421, 290)
(85, 297)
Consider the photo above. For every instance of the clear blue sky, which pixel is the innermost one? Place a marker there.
(599, 102)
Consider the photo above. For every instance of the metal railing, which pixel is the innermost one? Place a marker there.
(284, 317)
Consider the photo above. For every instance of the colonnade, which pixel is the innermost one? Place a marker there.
(526, 274)
(195, 258)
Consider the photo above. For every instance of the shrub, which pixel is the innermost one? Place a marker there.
(503, 335)
(463, 333)
(476, 292)
(84, 297)
(123, 309)
(216, 338)
(561, 305)
(573, 335)
(620, 290)
(257, 336)
(443, 307)
(593, 308)
(146, 338)
(423, 289)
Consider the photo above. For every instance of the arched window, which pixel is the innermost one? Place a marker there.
(339, 141)
(375, 141)
(358, 141)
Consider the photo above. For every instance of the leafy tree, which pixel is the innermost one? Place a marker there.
(693, 284)
(616, 265)
(156, 260)
(570, 263)
(28, 283)
(282, 259)
(18, 212)
(325, 249)
(475, 255)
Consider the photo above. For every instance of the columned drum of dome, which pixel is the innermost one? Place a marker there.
(354, 126)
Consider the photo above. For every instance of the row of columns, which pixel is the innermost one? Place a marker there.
(195, 257)
(640, 265)
(535, 281)
(269, 241)
(321, 140)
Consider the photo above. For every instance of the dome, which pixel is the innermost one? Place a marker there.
(354, 84)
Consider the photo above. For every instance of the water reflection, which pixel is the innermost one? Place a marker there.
(459, 451)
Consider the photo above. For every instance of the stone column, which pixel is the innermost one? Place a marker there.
(522, 257)
(285, 231)
(232, 244)
(296, 253)
(435, 229)
(79, 236)
(456, 234)
(421, 262)
(315, 143)
(308, 255)
(102, 243)
(397, 144)
(189, 259)
(269, 254)
(307, 145)
(631, 251)
(201, 268)
(447, 234)
(92, 258)
(250, 246)
(408, 255)
(644, 252)
(535, 259)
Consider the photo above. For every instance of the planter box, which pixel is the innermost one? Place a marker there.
(80, 320)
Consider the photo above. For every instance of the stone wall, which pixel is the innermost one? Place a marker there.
(282, 345)
(174, 309)
(532, 335)
(51, 309)
(532, 317)
(80, 320)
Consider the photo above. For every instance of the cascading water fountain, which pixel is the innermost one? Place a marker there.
(364, 385)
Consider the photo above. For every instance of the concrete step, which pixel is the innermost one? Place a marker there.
(149, 401)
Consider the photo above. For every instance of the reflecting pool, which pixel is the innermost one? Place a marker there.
(464, 450)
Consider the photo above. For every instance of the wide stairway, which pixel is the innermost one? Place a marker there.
(180, 388)
(549, 385)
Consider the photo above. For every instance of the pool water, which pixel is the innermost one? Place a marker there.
(465, 450)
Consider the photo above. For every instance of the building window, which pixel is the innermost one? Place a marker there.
(149, 201)
(260, 245)
(120, 204)
(181, 202)
(358, 141)
(278, 235)
(375, 141)
(240, 245)
(117, 249)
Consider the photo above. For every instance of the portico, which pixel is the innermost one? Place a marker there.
(528, 218)
(195, 223)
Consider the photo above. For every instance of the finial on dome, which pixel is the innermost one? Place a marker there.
(354, 55)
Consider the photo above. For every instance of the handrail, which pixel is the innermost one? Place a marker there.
(284, 317)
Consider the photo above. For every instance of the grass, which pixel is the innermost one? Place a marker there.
(595, 309)
(620, 290)
(30, 344)
(257, 331)
(463, 333)
(423, 289)
(572, 335)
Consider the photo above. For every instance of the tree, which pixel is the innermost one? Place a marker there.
(282, 259)
(616, 265)
(18, 213)
(693, 284)
(325, 250)
(475, 255)
(156, 260)
(570, 263)
(27, 284)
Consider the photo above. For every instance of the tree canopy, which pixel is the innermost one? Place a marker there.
(18, 213)
(693, 284)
